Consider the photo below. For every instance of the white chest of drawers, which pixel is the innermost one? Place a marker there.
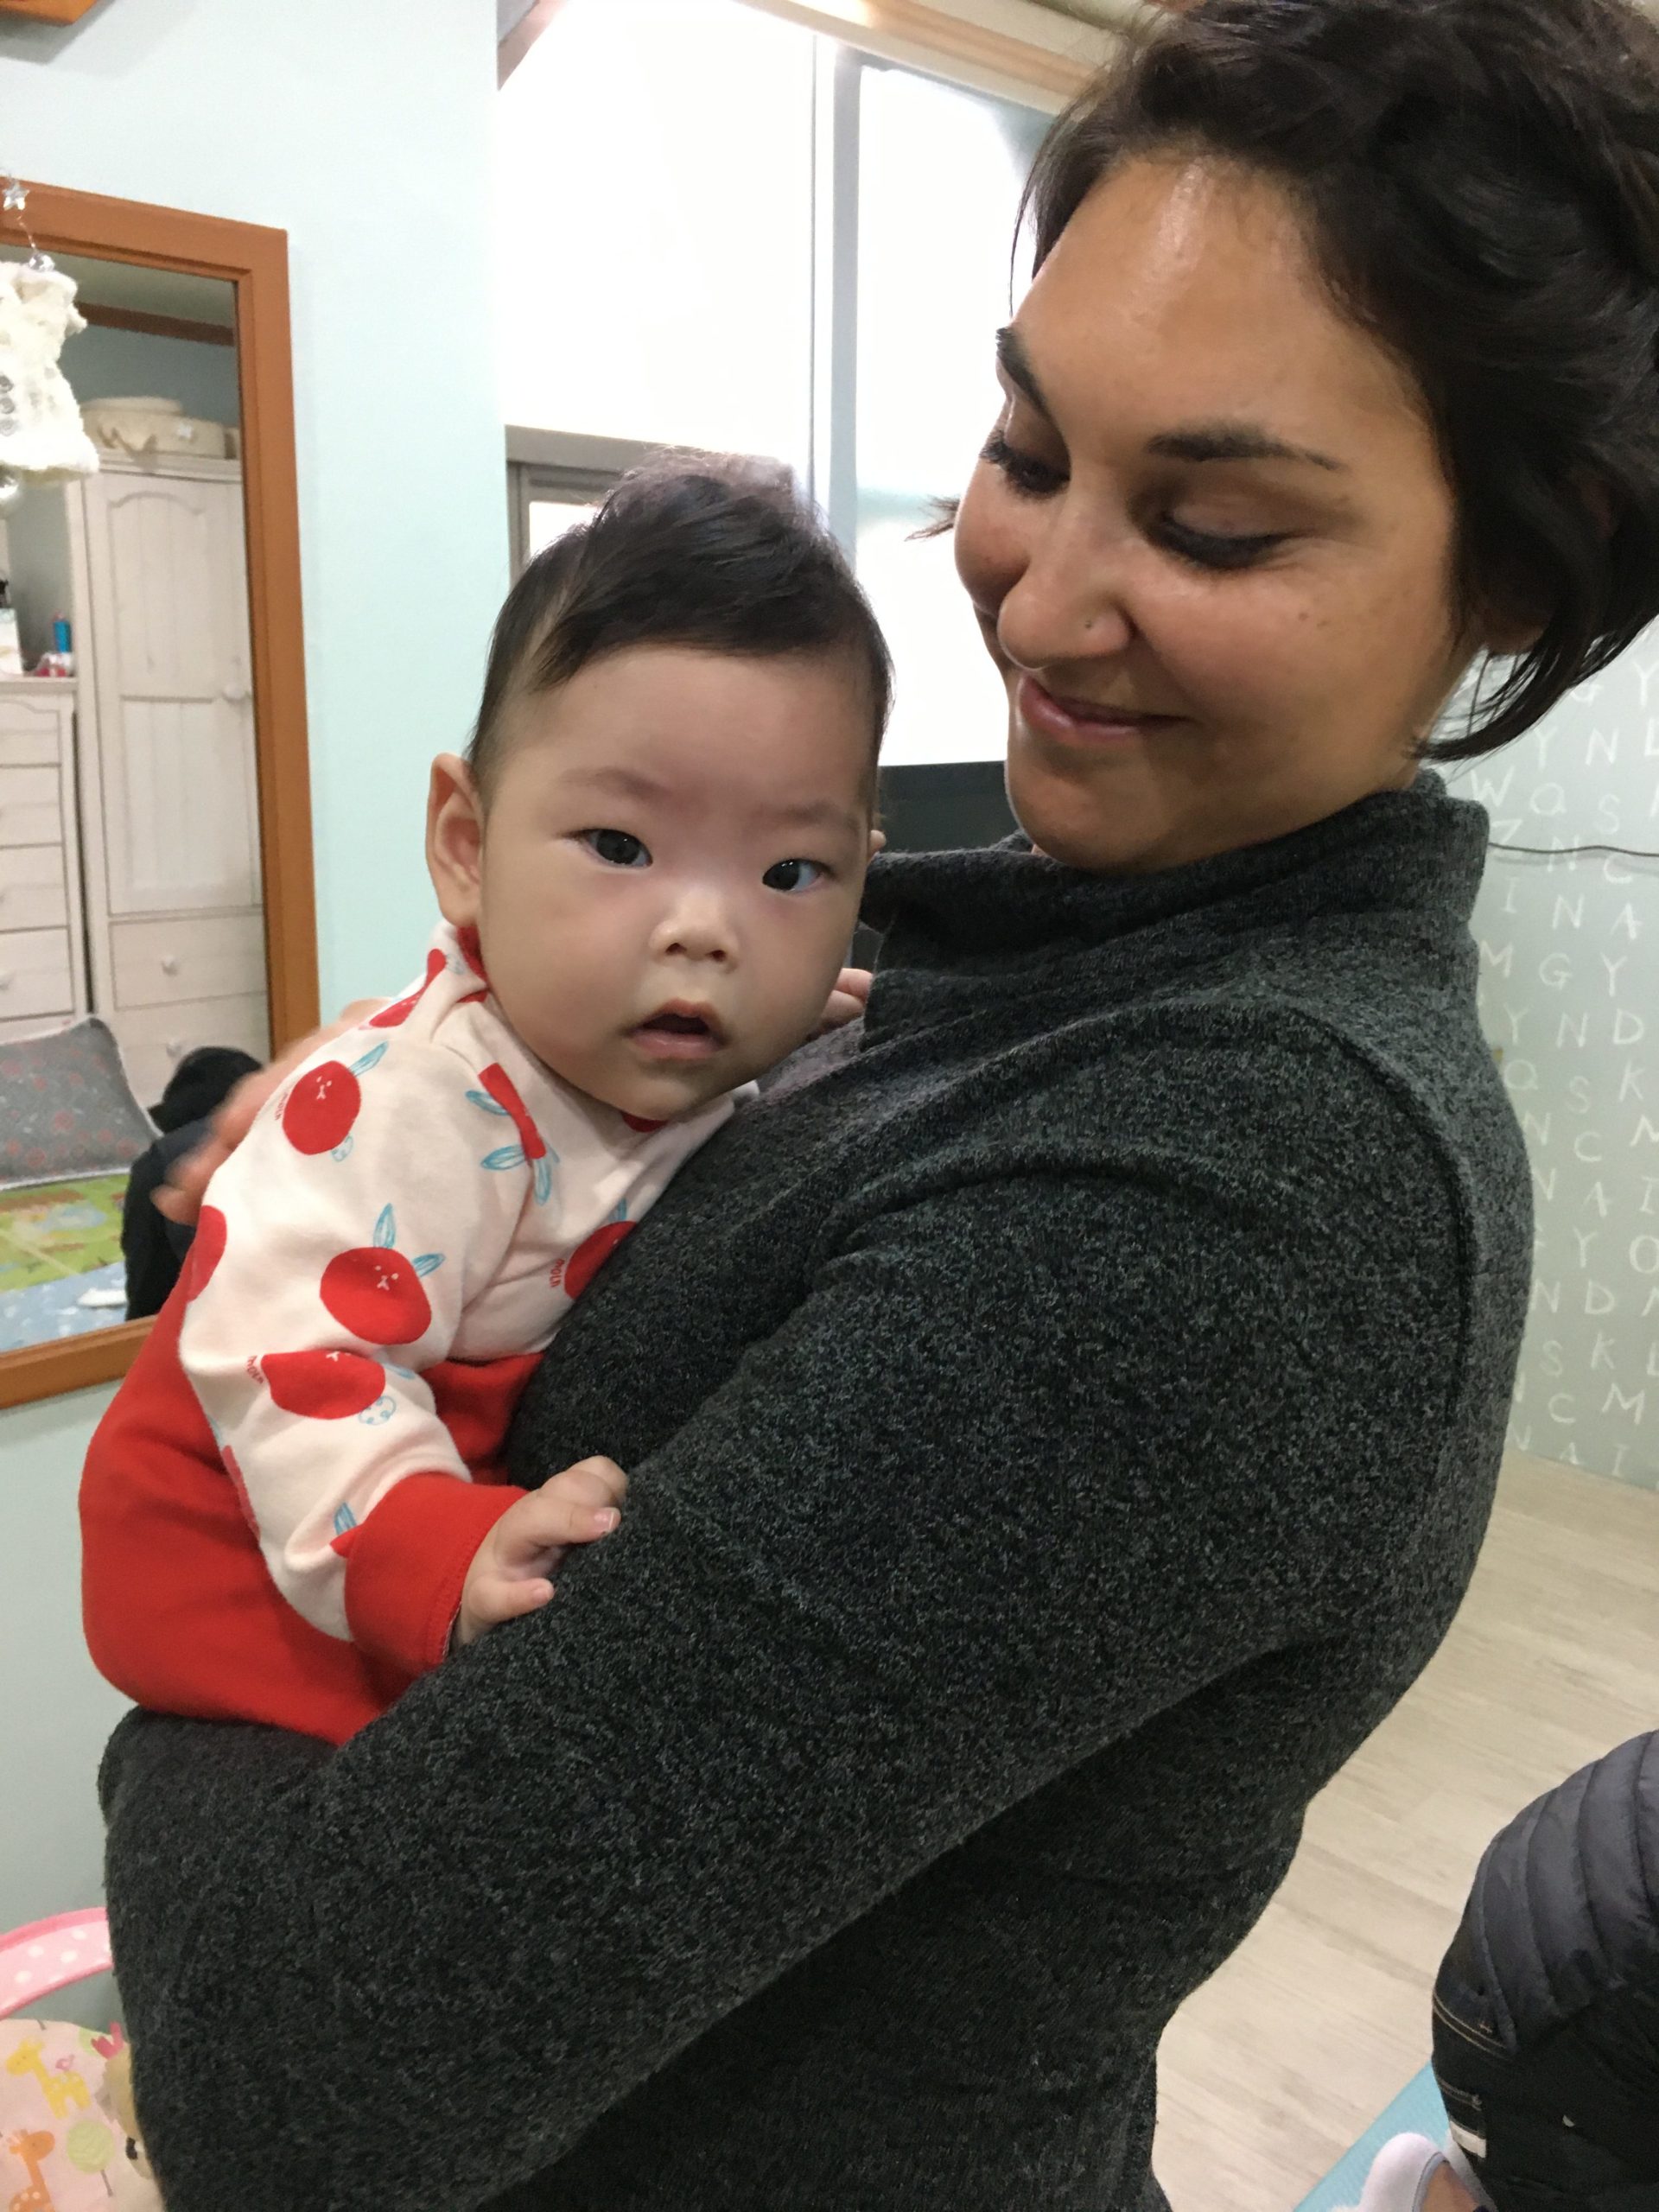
(42, 955)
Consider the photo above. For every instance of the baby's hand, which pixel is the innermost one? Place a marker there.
(511, 1569)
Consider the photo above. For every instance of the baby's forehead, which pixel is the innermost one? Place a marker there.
(660, 784)
(689, 729)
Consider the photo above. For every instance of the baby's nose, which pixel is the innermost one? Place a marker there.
(699, 929)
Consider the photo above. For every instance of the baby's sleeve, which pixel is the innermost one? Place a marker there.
(337, 1251)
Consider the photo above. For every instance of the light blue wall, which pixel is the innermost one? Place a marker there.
(54, 1712)
(364, 132)
(104, 364)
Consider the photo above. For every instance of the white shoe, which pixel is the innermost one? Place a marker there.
(1400, 2175)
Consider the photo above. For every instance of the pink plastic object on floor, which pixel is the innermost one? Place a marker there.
(63, 2147)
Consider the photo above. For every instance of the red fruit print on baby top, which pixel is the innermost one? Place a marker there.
(320, 1112)
(496, 1080)
(591, 1255)
(645, 1128)
(322, 1385)
(499, 1097)
(206, 1250)
(394, 1016)
(376, 1293)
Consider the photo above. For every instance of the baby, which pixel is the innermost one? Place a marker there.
(649, 867)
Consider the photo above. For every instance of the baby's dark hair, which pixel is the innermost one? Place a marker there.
(1479, 182)
(716, 552)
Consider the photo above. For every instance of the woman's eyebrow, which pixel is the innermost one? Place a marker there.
(1015, 364)
(1233, 442)
(1198, 441)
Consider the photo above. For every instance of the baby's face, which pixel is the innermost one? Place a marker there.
(669, 869)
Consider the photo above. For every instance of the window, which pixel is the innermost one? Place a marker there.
(555, 480)
(721, 230)
(655, 222)
(939, 174)
(550, 515)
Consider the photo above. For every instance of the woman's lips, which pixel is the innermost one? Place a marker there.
(1075, 721)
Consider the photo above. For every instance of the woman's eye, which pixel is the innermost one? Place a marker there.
(793, 876)
(1207, 548)
(616, 847)
(1035, 479)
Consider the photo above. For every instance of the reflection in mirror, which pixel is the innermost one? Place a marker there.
(133, 984)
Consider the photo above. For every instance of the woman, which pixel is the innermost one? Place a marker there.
(1063, 1414)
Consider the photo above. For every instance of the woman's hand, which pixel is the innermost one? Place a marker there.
(180, 1196)
(847, 1001)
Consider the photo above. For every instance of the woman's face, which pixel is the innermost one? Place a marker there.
(1210, 541)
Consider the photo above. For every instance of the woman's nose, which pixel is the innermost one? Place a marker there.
(1068, 601)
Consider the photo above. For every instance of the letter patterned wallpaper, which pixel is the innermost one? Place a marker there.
(1569, 993)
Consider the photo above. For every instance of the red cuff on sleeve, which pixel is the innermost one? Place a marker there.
(406, 1564)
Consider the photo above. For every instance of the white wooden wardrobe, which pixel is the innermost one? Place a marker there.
(155, 561)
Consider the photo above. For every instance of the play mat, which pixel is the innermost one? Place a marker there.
(60, 1268)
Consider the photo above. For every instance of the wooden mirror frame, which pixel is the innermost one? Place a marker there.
(254, 260)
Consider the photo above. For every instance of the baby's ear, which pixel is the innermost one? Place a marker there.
(455, 840)
(877, 842)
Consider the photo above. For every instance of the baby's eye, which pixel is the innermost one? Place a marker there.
(793, 876)
(616, 847)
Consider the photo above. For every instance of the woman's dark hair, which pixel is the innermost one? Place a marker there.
(1479, 183)
(716, 551)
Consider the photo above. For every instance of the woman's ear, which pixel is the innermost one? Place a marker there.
(1508, 641)
(1517, 634)
(877, 842)
(455, 840)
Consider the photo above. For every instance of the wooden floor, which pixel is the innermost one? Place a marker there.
(1274, 2069)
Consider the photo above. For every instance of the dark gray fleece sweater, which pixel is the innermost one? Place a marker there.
(1063, 1414)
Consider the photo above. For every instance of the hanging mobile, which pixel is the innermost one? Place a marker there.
(40, 432)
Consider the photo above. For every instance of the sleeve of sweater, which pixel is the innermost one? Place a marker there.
(1037, 1458)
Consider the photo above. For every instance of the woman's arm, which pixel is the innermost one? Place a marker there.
(1035, 1459)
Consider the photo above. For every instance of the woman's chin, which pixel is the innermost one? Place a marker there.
(1080, 828)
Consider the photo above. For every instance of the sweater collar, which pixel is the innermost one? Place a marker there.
(1002, 910)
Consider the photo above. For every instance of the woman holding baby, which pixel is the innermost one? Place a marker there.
(1061, 1414)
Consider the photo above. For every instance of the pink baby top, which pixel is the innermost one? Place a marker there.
(410, 1216)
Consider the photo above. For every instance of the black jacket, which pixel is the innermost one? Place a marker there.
(1547, 2008)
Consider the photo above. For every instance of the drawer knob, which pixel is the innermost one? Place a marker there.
(169, 963)
(6, 979)
(174, 1046)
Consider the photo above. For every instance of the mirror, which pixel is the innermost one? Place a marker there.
(157, 937)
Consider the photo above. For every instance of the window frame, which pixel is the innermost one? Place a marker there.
(560, 464)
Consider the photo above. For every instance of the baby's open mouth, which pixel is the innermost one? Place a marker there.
(680, 1032)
